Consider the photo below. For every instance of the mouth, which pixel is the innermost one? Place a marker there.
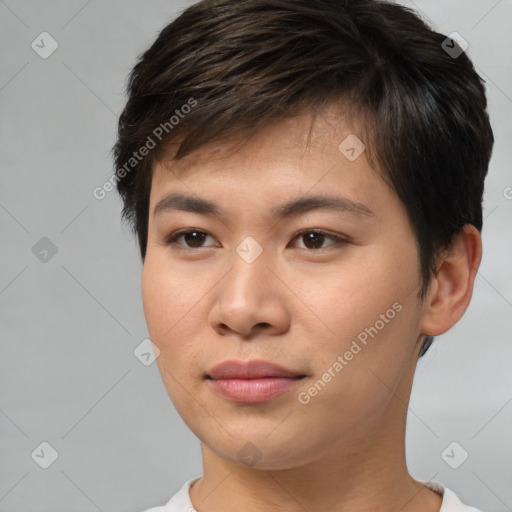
(252, 382)
(253, 391)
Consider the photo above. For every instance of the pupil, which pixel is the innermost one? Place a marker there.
(315, 239)
(191, 241)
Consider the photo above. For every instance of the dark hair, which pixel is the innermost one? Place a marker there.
(225, 68)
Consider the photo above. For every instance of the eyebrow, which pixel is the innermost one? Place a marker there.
(292, 208)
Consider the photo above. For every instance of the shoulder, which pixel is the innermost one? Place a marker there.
(180, 502)
(451, 502)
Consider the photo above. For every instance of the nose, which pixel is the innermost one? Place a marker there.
(251, 300)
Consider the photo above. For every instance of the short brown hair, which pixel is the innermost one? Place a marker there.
(422, 111)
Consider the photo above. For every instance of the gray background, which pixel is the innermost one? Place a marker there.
(68, 374)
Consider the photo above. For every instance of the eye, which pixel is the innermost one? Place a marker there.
(315, 238)
(193, 238)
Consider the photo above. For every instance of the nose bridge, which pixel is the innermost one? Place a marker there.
(249, 295)
(249, 275)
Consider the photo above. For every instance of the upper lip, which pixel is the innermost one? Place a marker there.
(253, 369)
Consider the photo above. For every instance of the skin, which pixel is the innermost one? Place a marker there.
(301, 307)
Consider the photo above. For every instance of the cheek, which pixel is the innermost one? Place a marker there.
(169, 313)
(353, 296)
(157, 296)
(167, 296)
(162, 311)
(172, 308)
(356, 369)
(370, 310)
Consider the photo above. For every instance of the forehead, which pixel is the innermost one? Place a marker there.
(281, 162)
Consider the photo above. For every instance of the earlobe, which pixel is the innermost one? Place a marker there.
(452, 287)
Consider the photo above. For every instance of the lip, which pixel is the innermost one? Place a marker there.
(254, 369)
(252, 382)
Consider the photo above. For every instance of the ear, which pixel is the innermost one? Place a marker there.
(452, 287)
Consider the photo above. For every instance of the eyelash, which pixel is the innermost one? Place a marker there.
(172, 240)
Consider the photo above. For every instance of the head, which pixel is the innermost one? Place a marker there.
(253, 104)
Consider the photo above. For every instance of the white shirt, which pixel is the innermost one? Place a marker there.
(180, 502)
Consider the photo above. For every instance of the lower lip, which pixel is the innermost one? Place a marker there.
(253, 391)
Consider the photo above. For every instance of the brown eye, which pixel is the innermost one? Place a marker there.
(311, 239)
(192, 238)
(315, 239)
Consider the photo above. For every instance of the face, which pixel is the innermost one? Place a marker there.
(327, 292)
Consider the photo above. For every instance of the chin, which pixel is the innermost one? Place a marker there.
(260, 451)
